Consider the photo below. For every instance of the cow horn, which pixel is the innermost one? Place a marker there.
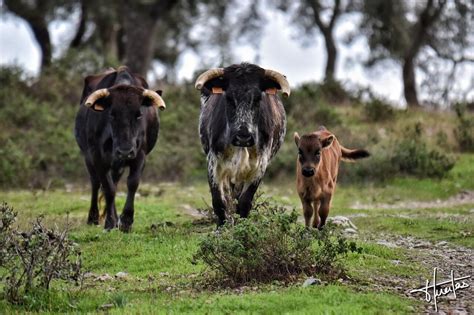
(156, 99)
(208, 75)
(95, 96)
(280, 79)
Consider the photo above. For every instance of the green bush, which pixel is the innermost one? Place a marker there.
(378, 110)
(464, 131)
(407, 154)
(271, 245)
(412, 156)
(334, 92)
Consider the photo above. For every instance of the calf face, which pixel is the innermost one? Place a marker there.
(309, 151)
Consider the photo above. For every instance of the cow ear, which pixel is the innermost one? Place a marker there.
(296, 136)
(147, 102)
(101, 104)
(268, 85)
(215, 86)
(326, 142)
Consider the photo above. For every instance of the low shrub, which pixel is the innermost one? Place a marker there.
(272, 245)
(464, 131)
(334, 92)
(408, 154)
(378, 110)
(412, 156)
(30, 260)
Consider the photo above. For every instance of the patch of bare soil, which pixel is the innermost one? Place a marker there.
(463, 198)
(445, 257)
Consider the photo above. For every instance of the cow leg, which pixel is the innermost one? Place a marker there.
(109, 188)
(316, 218)
(133, 180)
(218, 204)
(245, 200)
(307, 211)
(93, 217)
(324, 211)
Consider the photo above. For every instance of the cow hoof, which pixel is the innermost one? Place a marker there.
(110, 225)
(125, 228)
(92, 222)
(124, 225)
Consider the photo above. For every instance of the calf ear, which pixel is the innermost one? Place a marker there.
(296, 136)
(326, 142)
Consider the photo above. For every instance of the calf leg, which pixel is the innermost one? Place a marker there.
(316, 207)
(126, 218)
(307, 211)
(93, 217)
(324, 211)
(245, 200)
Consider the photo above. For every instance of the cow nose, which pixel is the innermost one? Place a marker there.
(243, 140)
(125, 153)
(308, 171)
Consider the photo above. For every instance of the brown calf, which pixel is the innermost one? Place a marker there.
(317, 166)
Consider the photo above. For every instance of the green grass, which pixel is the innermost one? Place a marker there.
(162, 278)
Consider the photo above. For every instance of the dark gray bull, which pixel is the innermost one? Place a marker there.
(116, 127)
(242, 126)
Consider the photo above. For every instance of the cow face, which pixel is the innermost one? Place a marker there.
(242, 110)
(242, 88)
(310, 147)
(123, 110)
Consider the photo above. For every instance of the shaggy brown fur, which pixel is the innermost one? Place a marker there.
(317, 166)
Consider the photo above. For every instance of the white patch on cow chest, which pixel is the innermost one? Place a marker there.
(237, 168)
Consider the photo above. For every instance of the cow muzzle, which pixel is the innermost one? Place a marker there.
(308, 171)
(125, 153)
(243, 139)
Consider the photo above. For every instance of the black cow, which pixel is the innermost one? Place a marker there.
(242, 126)
(116, 127)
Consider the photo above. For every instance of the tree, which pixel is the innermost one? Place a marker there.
(133, 33)
(403, 30)
(37, 14)
(310, 16)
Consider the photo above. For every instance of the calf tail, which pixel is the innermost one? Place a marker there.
(351, 155)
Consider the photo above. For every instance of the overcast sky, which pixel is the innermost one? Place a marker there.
(279, 50)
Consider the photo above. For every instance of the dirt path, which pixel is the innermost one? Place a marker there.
(445, 257)
(463, 198)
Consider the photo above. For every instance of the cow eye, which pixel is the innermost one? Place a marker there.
(113, 115)
(317, 153)
(138, 116)
(300, 152)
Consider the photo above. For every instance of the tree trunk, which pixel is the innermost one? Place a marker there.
(41, 33)
(81, 28)
(35, 17)
(140, 26)
(331, 59)
(140, 32)
(409, 83)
